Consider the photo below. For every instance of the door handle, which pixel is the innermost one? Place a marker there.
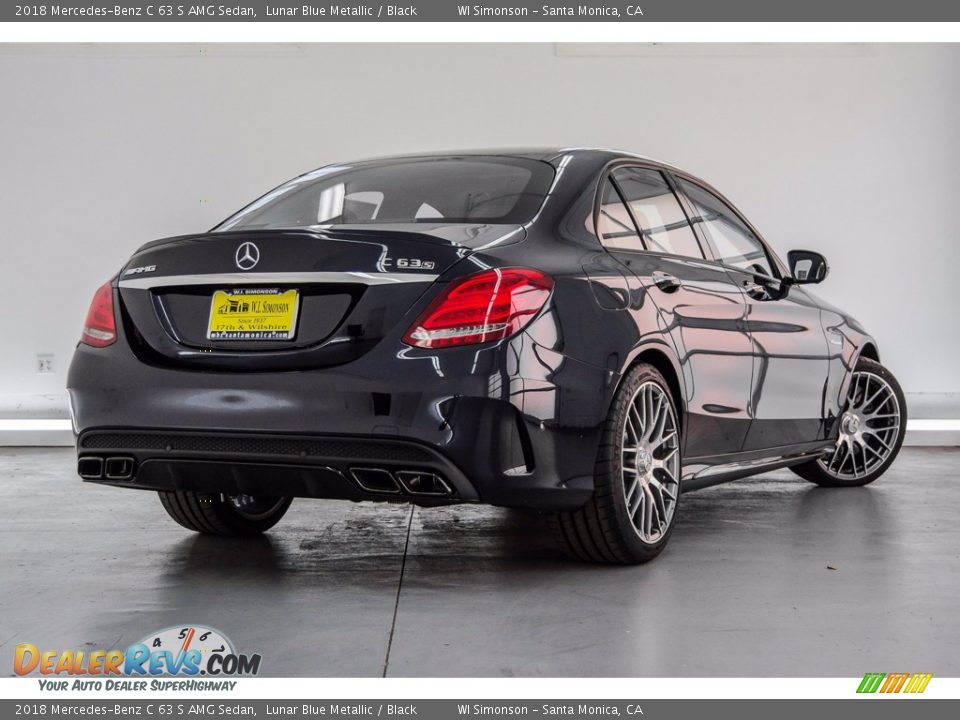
(665, 281)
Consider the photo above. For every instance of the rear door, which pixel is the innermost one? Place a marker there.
(789, 346)
(701, 307)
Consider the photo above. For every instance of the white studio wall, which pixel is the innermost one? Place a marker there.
(848, 150)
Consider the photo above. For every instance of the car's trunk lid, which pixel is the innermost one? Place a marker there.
(340, 289)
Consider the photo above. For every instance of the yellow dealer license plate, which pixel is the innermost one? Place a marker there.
(253, 314)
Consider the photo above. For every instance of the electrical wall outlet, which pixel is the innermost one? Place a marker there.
(44, 363)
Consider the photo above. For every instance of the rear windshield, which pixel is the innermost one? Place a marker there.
(445, 190)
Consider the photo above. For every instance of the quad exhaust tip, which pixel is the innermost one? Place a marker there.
(90, 468)
(118, 468)
(416, 482)
(111, 468)
(411, 482)
(376, 480)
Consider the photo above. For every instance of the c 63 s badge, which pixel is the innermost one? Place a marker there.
(181, 650)
(415, 264)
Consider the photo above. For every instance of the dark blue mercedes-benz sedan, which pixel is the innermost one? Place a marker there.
(583, 332)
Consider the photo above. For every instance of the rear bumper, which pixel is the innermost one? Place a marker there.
(485, 433)
(275, 464)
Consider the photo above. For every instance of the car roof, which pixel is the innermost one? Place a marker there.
(545, 154)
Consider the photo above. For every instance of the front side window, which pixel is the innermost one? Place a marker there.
(658, 213)
(733, 242)
(448, 190)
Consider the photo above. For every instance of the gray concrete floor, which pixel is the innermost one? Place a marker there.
(769, 577)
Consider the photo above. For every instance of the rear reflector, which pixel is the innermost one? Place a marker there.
(100, 329)
(483, 307)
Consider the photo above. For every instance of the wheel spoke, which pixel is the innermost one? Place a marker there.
(659, 503)
(636, 423)
(648, 512)
(881, 441)
(670, 474)
(847, 452)
(877, 454)
(671, 452)
(659, 419)
(630, 430)
(646, 407)
(836, 455)
(632, 500)
(870, 430)
(660, 423)
(637, 506)
(855, 390)
(671, 480)
(879, 392)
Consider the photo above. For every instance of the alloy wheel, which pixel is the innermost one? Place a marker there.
(868, 428)
(650, 464)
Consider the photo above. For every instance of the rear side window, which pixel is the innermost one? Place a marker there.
(733, 242)
(486, 189)
(662, 222)
(614, 224)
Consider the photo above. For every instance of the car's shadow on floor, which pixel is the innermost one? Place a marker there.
(771, 501)
(207, 557)
(369, 548)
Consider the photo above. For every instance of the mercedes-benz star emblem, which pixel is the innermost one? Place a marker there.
(248, 255)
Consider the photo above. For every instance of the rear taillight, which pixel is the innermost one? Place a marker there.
(483, 307)
(100, 329)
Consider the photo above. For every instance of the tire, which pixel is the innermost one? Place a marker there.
(876, 445)
(233, 515)
(603, 530)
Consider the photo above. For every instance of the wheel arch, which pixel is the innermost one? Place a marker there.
(666, 365)
(868, 350)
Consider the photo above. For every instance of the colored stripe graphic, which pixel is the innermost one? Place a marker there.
(894, 682)
(918, 682)
(871, 682)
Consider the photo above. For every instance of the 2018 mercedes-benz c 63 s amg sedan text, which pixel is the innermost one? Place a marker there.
(583, 332)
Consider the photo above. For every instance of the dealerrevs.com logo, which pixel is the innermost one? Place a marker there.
(192, 650)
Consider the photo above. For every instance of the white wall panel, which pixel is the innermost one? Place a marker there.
(852, 151)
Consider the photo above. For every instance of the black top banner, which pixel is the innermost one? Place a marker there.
(515, 11)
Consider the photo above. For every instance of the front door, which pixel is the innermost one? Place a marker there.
(789, 346)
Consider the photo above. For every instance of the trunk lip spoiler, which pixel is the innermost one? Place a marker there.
(276, 278)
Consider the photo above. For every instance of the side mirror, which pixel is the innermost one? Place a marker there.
(807, 267)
